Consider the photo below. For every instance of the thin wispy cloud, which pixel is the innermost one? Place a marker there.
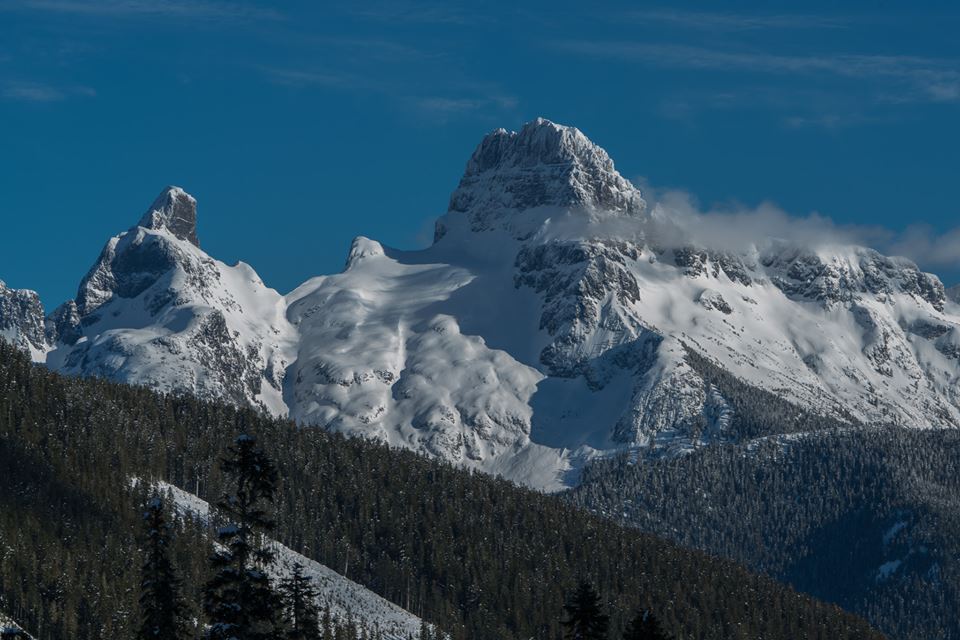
(832, 121)
(41, 93)
(300, 78)
(415, 13)
(454, 106)
(468, 100)
(927, 247)
(932, 79)
(199, 9)
(708, 21)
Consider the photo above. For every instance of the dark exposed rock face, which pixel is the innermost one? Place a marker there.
(216, 346)
(176, 211)
(575, 279)
(710, 299)
(696, 262)
(126, 268)
(805, 274)
(21, 318)
(63, 325)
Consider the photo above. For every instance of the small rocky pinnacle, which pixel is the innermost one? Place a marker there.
(176, 211)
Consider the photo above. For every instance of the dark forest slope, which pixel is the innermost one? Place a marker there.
(868, 518)
(479, 556)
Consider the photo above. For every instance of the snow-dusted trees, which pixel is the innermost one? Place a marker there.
(239, 600)
(301, 615)
(162, 610)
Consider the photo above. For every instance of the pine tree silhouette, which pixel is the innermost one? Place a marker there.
(302, 615)
(162, 611)
(239, 601)
(585, 617)
(645, 626)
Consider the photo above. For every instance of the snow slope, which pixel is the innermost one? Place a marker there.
(8, 625)
(346, 599)
(550, 321)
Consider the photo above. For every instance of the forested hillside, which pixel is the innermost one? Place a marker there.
(868, 518)
(477, 556)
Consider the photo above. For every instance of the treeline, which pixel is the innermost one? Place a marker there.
(477, 556)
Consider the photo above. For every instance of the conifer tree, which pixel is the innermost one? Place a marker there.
(585, 618)
(162, 612)
(302, 616)
(645, 626)
(239, 600)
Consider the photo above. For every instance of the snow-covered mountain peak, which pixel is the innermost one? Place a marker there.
(156, 310)
(176, 211)
(543, 165)
(21, 320)
(540, 142)
(362, 247)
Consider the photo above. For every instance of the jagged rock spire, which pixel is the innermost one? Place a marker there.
(176, 211)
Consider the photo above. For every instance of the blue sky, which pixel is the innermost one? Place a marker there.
(300, 125)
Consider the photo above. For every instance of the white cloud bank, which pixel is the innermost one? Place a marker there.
(741, 229)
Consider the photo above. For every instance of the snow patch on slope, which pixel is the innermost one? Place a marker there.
(9, 626)
(346, 599)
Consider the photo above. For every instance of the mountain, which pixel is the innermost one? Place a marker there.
(551, 321)
(563, 330)
(156, 310)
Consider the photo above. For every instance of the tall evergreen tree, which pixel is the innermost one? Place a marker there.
(585, 617)
(302, 615)
(239, 600)
(162, 612)
(645, 626)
